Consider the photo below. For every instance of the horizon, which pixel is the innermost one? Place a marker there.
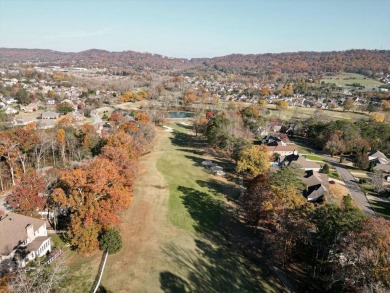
(195, 29)
(190, 58)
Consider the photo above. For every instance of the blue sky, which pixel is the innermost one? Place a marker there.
(196, 28)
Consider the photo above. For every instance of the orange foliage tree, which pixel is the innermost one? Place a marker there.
(28, 194)
(95, 195)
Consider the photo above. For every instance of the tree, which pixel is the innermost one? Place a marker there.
(262, 104)
(61, 141)
(282, 105)
(377, 181)
(111, 241)
(94, 196)
(378, 117)
(349, 104)
(361, 160)
(40, 278)
(287, 90)
(254, 160)
(28, 196)
(325, 169)
(64, 108)
(385, 105)
(200, 125)
(189, 98)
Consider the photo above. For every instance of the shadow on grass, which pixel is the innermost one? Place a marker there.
(381, 207)
(218, 187)
(170, 283)
(219, 264)
(186, 140)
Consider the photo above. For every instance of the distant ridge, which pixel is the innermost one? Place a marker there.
(363, 61)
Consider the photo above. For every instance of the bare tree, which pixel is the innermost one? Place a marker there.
(40, 278)
(377, 181)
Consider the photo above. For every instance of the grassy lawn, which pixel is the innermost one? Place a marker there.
(382, 208)
(300, 112)
(188, 181)
(348, 78)
(314, 158)
(81, 270)
(196, 206)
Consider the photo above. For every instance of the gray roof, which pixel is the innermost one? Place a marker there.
(13, 231)
(36, 244)
(50, 114)
(377, 154)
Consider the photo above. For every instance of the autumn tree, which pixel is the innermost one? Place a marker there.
(349, 104)
(200, 125)
(61, 141)
(189, 98)
(254, 160)
(28, 196)
(378, 117)
(287, 90)
(94, 196)
(282, 105)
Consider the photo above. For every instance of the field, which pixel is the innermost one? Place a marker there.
(301, 112)
(343, 79)
(178, 232)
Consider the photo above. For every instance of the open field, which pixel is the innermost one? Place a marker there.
(343, 79)
(172, 233)
(301, 112)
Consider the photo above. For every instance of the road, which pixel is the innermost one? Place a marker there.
(354, 189)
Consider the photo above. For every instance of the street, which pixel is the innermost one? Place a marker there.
(353, 187)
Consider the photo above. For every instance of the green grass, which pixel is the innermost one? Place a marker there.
(334, 175)
(81, 270)
(180, 167)
(381, 208)
(314, 158)
(300, 112)
(348, 78)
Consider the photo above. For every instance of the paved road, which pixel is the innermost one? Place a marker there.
(354, 188)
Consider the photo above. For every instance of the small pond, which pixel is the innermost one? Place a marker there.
(180, 114)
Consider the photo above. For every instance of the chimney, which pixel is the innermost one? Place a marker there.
(30, 233)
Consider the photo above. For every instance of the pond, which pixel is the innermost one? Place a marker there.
(180, 114)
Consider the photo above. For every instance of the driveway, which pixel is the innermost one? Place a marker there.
(353, 187)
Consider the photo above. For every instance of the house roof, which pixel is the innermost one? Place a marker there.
(377, 154)
(301, 160)
(317, 193)
(50, 114)
(13, 231)
(36, 244)
(282, 148)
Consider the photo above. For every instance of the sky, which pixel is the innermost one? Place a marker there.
(189, 28)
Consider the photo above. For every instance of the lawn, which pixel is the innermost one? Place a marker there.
(381, 207)
(172, 233)
(349, 78)
(81, 270)
(301, 112)
(314, 158)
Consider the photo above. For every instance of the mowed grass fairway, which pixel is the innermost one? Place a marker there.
(173, 232)
(345, 78)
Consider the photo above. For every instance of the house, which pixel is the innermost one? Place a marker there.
(317, 185)
(50, 115)
(77, 116)
(11, 111)
(9, 100)
(302, 162)
(22, 239)
(379, 156)
(282, 148)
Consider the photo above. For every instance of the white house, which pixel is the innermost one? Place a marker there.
(22, 239)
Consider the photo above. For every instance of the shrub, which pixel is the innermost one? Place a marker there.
(111, 241)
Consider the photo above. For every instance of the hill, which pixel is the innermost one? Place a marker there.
(358, 61)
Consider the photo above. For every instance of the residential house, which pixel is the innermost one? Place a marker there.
(50, 115)
(22, 239)
(317, 185)
(9, 100)
(302, 162)
(282, 148)
(11, 111)
(382, 163)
